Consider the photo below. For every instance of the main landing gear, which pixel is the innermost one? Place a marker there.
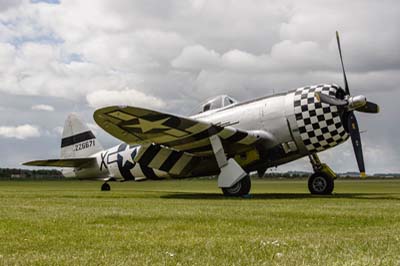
(241, 188)
(232, 179)
(322, 181)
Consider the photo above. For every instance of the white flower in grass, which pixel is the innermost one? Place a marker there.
(275, 243)
(170, 253)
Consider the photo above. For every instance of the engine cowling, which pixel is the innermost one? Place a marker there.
(320, 125)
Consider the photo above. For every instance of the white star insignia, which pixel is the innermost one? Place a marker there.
(146, 125)
(127, 155)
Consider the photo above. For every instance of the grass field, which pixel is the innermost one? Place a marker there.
(188, 222)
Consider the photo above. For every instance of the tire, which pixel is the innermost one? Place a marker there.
(320, 184)
(105, 187)
(239, 189)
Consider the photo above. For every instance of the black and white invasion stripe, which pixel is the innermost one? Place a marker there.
(176, 163)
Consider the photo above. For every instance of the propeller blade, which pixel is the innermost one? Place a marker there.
(369, 107)
(346, 85)
(330, 100)
(354, 132)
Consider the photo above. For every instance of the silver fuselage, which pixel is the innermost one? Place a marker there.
(293, 122)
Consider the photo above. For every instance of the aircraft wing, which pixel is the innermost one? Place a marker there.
(135, 125)
(73, 162)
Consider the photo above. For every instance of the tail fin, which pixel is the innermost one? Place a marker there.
(78, 141)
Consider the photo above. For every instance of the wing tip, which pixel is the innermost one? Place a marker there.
(30, 163)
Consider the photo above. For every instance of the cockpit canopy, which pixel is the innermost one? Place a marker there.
(216, 103)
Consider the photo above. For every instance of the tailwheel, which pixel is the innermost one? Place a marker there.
(105, 187)
(321, 183)
(241, 188)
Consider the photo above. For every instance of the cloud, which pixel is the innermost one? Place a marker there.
(94, 128)
(39, 69)
(304, 55)
(197, 57)
(7, 54)
(43, 107)
(284, 56)
(132, 97)
(6, 4)
(359, 22)
(19, 132)
(241, 61)
(58, 131)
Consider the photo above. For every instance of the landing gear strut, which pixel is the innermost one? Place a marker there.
(105, 187)
(322, 181)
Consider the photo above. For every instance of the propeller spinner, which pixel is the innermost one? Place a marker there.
(348, 105)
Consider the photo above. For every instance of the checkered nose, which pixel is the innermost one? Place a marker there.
(319, 124)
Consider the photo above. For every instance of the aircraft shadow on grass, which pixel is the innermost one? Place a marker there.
(273, 196)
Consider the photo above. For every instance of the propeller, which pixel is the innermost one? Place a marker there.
(369, 107)
(354, 132)
(330, 100)
(346, 85)
(348, 105)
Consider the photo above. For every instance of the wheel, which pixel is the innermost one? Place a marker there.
(320, 184)
(105, 187)
(239, 189)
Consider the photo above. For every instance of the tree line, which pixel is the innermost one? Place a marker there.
(15, 173)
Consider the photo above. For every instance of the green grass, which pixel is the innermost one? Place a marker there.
(188, 222)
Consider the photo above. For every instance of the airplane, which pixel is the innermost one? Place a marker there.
(227, 138)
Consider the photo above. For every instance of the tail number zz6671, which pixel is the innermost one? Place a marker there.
(84, 145)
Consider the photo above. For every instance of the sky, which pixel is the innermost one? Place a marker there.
(64, 56)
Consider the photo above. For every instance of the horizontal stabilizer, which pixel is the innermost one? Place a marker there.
(72, 162)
